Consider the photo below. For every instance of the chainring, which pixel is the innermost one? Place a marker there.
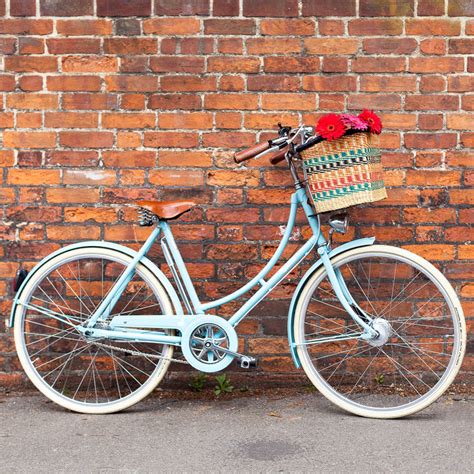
(200, 338)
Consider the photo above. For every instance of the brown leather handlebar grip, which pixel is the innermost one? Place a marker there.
(251, 152)
(278, 156)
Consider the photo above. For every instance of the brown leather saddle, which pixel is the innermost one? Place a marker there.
(166, 210)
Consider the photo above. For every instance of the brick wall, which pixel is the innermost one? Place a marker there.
(109, 101)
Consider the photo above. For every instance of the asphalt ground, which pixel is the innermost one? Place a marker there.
(299, 433)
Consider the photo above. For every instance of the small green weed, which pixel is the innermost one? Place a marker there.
(223, 385)
(198, 382)
(379, 379)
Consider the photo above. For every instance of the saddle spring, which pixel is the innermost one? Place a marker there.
(146, 218)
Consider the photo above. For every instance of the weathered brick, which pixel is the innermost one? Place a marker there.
(389, 45)
(89, 64)
(181, 7)
(379, 26)
(266, 8)
(290, 26)
(22, 26)
(33, 101)
(177, 64)
(89, 101)
(73, 45)
(84, 27)
(86, 139)
(329, 8)
(436, 27)
(62, 8)
(386, 8)
(73, 83)
(436, 65)
(13, 139)
(430, 7)
(331, 45)
(22, 7)
(229, 27)
(460, 8)
(430, 140)
(130, 46)
(291, 64)
(31, 63)
(123, 7)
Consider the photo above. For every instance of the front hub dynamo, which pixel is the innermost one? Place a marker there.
(200, 338)
(384, 330)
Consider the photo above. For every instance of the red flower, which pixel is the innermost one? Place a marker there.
(330, 127)
(372, 120)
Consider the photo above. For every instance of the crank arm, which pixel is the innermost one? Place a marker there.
(245, 361)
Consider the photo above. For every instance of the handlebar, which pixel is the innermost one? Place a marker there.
(255, 150)
(277, 148)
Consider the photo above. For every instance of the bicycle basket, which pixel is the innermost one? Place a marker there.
(344, 172)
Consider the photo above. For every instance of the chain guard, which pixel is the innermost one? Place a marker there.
(190, 342)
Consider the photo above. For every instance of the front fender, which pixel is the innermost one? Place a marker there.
(291, 313)
(106, 245)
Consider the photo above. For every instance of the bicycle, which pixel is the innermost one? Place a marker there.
(378, 330)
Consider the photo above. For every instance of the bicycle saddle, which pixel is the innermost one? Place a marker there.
(167, 209)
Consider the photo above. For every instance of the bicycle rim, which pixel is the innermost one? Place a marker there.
(421, 327)
(69, 369)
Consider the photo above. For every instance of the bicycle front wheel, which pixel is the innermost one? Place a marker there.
(80, 374)
(421, 328)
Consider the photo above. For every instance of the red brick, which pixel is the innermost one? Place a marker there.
(73, 45)
(13, 139)
(29, 45)
(89, 101)
(123, 7)
(225, 8)
(459, 83)
(129, 159)
(73, 83)
(291, 64)
(193, 120)
(266, 8)
(436, 65)
(433, 46)
(432, 252)
(231, 101)
(28, 177)
(289, 102)
(71, 158)
(331, 45)
(389, 45)
(89, 64)
(437, 27)
(330, 27)
(461, 46)
(31, 64)
(7, 82)
(431, 102)
(229, 64)
(33, 101)
(290, 26)
(29, 83)
(171, 26)
(229, 27)
(228, 139)
(459, 121)
(84, 27)
(273, 45)
(329, 83)
(181, 7)
(130, 46)
(22, 26)
(174, 101)
(386, 8)
(71, 120)
(388, 84)
(177, 64)
(379, 101)
(385, 64)
(430, 7)
(269, 121)
(171, 139)
(94, 177)
(329, 8)
(86, 139)
(432, 84)
(430, 140)
(430, 121)
(22, 7)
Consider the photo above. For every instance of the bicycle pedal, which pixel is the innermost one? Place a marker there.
(247, 362)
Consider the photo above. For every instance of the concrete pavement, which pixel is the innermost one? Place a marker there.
(295, 433)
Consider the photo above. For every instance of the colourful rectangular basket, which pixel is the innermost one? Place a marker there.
(344, 172)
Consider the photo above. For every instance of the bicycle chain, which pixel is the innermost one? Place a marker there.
(138, 353)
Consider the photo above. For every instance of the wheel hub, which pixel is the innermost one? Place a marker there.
(384, 330)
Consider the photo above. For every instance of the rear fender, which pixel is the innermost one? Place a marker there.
(296, 295)
(105, 245)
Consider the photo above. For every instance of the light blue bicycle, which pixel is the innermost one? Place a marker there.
(378, 330)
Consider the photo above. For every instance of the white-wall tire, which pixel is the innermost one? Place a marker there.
(452, 302)
(64, 401)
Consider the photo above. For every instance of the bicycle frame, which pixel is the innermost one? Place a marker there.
(125, 327)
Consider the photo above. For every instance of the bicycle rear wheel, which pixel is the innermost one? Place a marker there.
(88, 376)
(421, 327)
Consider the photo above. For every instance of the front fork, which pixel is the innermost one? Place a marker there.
(344, 296)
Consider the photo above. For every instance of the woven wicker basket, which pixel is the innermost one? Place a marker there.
(344, 172)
